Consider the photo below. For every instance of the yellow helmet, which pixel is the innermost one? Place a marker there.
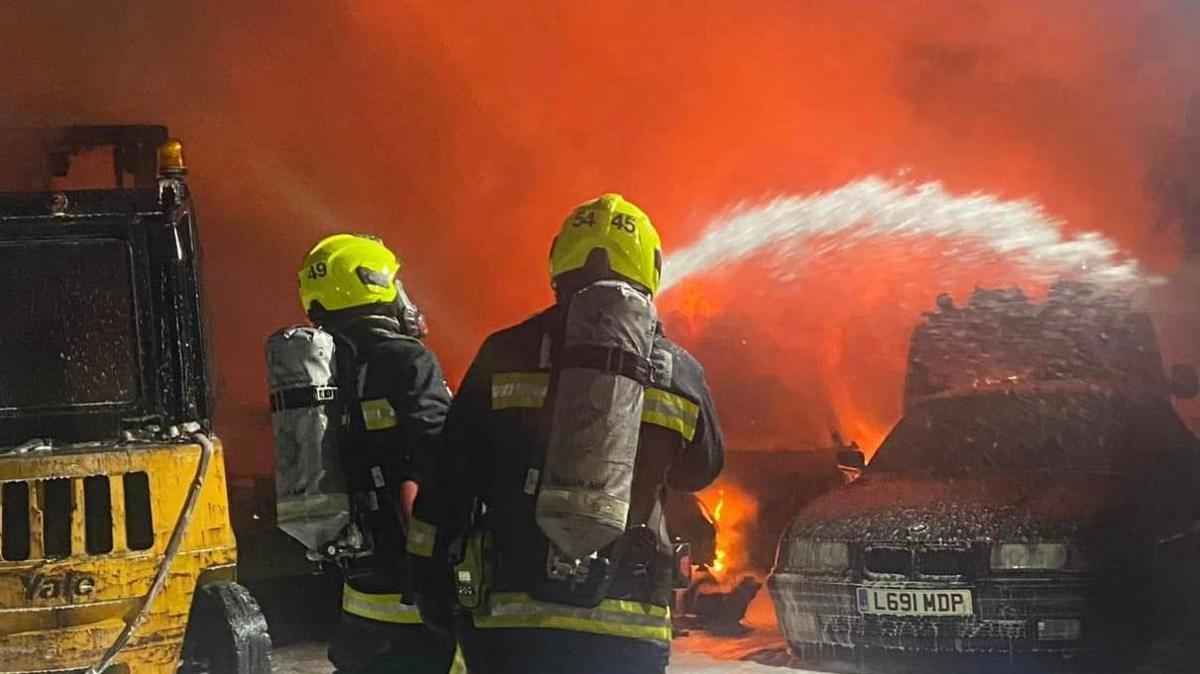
(619, 229)
(348, 270)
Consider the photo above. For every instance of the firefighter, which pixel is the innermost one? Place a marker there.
(531, 608)
(395, 408)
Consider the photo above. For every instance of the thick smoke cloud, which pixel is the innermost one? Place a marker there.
(463, 132)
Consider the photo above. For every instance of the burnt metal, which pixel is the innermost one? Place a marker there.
(134, 147)
(712, 606)
(1083, 450)
(156, 225)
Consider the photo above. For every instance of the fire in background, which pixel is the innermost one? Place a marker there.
(733, 509)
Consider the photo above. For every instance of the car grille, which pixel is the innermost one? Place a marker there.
(943, 562)
(64, 517)
(889, 561)
(917, 562)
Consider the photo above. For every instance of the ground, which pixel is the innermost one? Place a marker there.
(760, 650)
(692, 654)
(310, 659)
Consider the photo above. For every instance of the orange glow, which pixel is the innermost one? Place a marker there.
(464, 132)
(733, 509)
(719, 509)
(788, 363)
(694, 306)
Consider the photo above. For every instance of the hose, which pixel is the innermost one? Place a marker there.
(160, 577)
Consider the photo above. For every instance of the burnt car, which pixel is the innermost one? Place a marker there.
(1037, 505)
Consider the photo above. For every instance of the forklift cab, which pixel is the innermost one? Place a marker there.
(111, 478)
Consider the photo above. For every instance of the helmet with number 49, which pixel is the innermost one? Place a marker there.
(348, 270)
(616, 230)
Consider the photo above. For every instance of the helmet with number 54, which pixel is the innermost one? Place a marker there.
(612, 237)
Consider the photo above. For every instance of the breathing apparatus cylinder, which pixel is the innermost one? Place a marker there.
(310, 483)
(602, 371)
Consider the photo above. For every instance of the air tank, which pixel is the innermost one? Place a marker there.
(601, 372)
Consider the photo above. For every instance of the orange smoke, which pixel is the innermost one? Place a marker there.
(695, 306)
(463, 132)
(825, 352)
(733, 509)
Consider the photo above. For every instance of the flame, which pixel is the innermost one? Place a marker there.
(718, 565)
(733, 509)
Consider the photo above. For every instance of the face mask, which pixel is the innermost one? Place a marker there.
(412, 322)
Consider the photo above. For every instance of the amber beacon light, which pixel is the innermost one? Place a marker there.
(170, 158)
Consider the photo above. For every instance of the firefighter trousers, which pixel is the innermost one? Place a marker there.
(555, 651)
(363, 646)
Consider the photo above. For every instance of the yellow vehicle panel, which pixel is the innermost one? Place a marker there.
(61, 606)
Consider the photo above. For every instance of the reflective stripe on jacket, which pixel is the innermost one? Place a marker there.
(661, 408)
(393, 420)
(497, 435)
(385, 608)
(613, 617)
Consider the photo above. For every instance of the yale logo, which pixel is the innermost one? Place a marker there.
(70, 586)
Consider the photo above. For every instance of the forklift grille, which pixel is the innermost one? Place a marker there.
(55, 518)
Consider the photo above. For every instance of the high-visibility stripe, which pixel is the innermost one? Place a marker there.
(668, 410)
(519, 389)
(421, 536)
(378, 414)
(614, 617)
(661, 408)
(385, 608)
(311, 507)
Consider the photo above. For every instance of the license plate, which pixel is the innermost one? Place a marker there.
(893, 601)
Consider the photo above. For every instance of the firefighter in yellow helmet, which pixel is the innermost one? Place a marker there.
(349, 286)
(559, 445)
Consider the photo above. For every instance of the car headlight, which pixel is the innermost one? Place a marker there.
(1029, 556)
(809, 554)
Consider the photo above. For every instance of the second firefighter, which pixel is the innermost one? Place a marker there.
(395, 404)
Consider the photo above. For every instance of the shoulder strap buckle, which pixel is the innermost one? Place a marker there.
(302, 396)
(613, 360)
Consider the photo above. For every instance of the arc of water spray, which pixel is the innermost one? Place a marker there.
(873, 207)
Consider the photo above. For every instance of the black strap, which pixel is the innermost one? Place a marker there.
(610, 359)
(302, 396)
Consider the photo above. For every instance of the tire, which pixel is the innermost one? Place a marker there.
(226, 633)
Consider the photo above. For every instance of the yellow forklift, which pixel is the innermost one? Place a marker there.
(116, 550)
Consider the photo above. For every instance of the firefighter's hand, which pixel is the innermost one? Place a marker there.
(408, 496)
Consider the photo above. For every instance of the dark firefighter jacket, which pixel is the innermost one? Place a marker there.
(395, 412)
(497, 435)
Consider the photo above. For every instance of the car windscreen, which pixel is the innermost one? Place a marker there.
(1008, 431)
(68, 335)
